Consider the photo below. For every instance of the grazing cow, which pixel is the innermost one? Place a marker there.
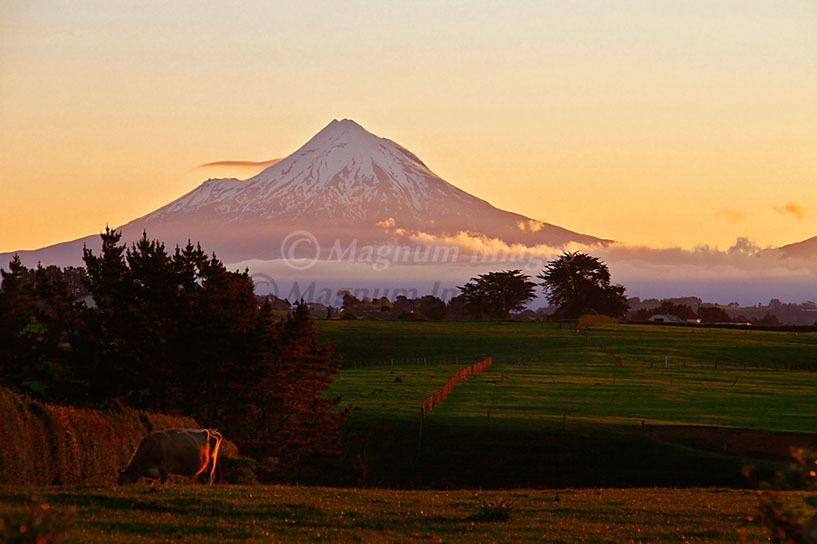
(187, 452)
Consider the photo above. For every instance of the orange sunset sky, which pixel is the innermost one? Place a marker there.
(649, 122)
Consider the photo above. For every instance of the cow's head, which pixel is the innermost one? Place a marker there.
(124, 477)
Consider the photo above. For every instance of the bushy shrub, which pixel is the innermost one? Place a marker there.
(238, 470)
(590, 320)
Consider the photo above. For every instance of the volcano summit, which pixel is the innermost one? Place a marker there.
(343, 184)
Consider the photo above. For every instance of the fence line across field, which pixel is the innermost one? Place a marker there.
(435, 399)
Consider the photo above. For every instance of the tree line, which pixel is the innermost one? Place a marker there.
(576, 283)
(172, 332)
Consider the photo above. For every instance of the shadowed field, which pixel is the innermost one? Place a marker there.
(187, 513)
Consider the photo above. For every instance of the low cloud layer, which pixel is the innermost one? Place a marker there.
(426, 263)
(744, 271)
(741, 273)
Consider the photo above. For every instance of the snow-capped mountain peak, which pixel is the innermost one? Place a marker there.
(343, 173)
(345, 182)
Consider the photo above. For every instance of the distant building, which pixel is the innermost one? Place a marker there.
(666, 318)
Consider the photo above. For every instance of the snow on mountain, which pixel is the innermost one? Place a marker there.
(343, 174)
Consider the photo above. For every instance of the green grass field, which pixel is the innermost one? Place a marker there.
(709, 376)
(373, 342)
(188, 513)
(559, 408)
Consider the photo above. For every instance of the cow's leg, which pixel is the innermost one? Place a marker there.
(216, 471)
(214, 439)
(163, 474)
(211, 470)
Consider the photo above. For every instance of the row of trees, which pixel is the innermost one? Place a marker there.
(707, 314)
(173, 332)
(576, 283)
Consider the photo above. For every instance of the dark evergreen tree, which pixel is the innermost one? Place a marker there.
(16, 320)
(433, 308)
(40, 323)
(577, 284)
(496, 294)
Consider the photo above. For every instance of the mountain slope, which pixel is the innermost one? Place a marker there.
(803, 250)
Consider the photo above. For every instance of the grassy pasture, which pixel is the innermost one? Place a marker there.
(556, 409)
(551, 372)
(369, 342)
(188, 513)
(540, 394)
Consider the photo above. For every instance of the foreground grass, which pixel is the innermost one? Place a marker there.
(187, 513)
